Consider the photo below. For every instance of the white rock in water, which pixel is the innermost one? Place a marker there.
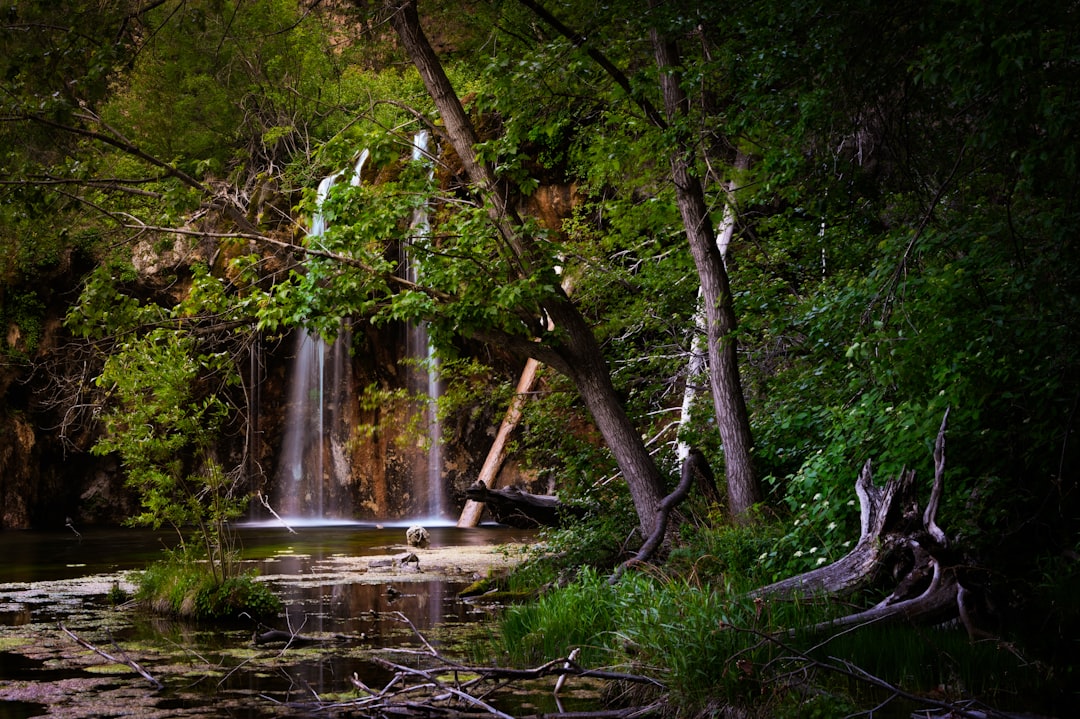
(417, 536)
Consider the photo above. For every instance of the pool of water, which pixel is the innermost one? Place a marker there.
(30, 556)
(53, 580)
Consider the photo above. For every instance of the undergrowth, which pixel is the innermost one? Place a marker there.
(697, 627)
(181, 587)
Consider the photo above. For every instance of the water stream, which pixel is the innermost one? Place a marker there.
(314, 467)
(423, 378)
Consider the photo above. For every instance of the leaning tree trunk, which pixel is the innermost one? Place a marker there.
(579, 354)
(732, 418)
(473, 509)
(895, 539)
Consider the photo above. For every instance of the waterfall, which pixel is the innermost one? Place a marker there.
(423, 378)
(314, 468)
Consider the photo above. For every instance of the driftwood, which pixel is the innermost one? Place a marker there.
(115, 660)
(518, 508)
(470, 513)
(895, 539)
(429, 685)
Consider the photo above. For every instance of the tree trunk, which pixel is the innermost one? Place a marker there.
(579, 353)
(470, 513)
(696, 366)
(732, 418)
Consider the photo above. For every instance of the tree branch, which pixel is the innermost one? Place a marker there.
(600, 59)
(668, 503)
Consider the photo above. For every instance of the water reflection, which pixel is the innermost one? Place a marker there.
(34, 556)
(321, 573)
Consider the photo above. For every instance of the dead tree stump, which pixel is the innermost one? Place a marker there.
(895, 540)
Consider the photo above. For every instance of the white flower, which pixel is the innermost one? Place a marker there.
(832, 526)
(821, 560)
(798, 553)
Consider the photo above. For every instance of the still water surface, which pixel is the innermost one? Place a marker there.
(49, 578)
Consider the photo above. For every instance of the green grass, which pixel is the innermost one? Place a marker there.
(185, 588)
(713, 645)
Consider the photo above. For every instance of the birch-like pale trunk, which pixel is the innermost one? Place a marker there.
(696, 365)
(732, 418)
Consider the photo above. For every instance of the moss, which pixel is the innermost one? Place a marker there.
(108, 669)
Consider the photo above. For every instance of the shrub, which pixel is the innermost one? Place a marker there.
(181, 587)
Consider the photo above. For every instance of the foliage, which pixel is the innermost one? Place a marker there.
(904, 242)
(578, 616)
(712, 645)
(717, 552)
(593, 541)
(179, 586)
(164, 430)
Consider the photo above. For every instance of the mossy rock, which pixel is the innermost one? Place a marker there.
(480, 586)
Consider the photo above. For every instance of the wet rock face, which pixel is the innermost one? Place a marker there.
(40, 488)
(46, 478)
(17, 457)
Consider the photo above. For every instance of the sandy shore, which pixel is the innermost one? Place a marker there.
(402, 563)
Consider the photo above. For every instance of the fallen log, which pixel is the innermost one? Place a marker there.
(895, 540)
(518, 508)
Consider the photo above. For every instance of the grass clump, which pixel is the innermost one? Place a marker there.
(699, 628)
(577, 616)
(181, 587)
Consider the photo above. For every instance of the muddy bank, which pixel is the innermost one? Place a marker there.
(405, 564)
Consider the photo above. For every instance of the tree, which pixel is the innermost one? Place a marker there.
(165, 431)
(572, 349)
(732, 419)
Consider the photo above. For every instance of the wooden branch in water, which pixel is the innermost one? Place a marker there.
(116, 660)
(432, 686)
(266, 503)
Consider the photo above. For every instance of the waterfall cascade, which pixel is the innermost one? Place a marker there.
(315, 468)
(423, 378)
